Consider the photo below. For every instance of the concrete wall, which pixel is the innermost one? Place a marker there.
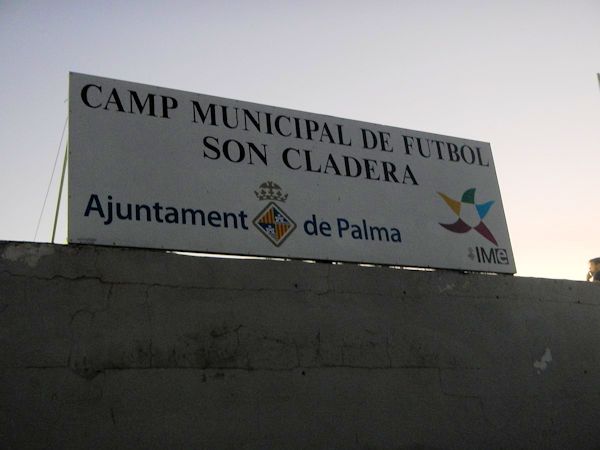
(121, 348)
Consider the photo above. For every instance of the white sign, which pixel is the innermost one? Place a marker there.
(160, 168)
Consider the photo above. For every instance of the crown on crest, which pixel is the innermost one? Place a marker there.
(270, 191)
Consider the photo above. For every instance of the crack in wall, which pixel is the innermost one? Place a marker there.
(80, 364)
(307, 367)
(59, 277)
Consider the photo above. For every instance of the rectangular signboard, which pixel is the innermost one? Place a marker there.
(161, 168)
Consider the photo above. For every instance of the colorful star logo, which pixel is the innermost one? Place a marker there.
(470, 215)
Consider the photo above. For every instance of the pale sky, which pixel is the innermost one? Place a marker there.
(518, 74)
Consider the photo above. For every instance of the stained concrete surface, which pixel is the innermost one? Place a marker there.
(124, 348)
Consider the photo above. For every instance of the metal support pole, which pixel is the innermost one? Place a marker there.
(60, 189)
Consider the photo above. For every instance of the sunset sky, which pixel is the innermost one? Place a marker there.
(521, 75)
